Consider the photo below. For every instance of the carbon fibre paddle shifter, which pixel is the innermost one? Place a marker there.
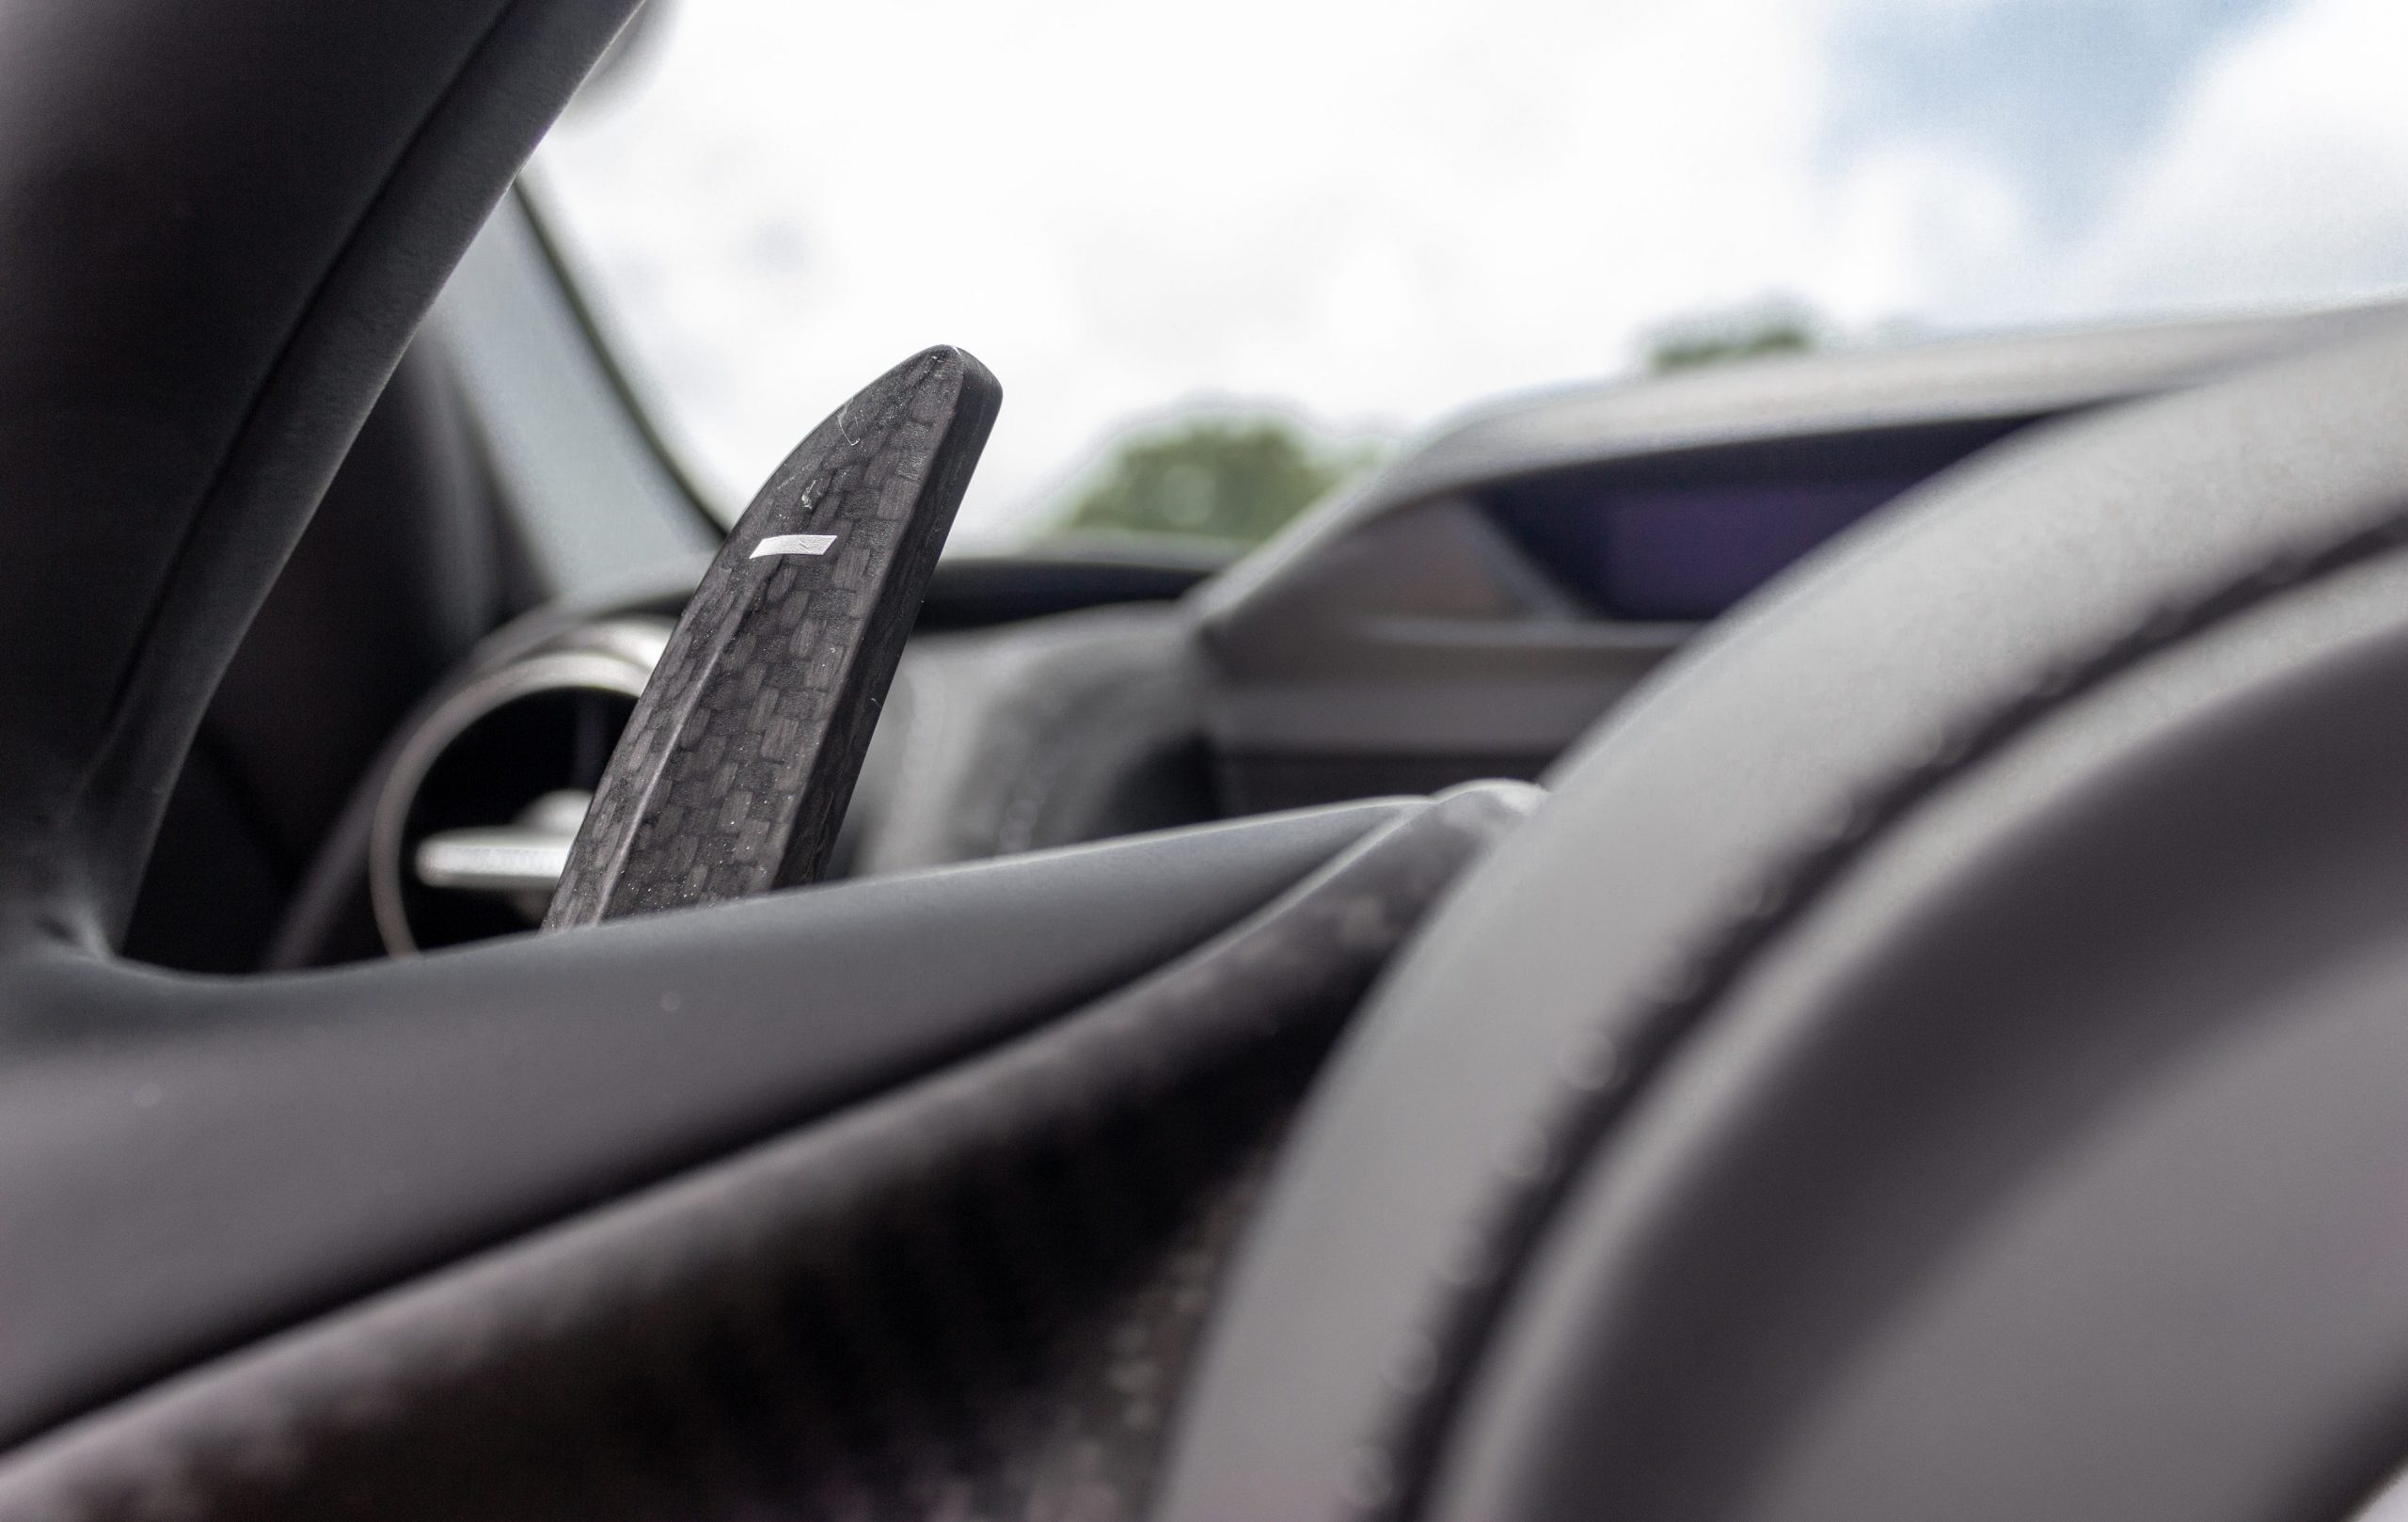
(734, 773)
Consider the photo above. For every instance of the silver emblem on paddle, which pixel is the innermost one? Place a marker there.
(793, 544)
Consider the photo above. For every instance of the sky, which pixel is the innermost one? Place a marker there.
(1372, 214)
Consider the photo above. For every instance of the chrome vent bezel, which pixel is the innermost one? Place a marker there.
(612, 656)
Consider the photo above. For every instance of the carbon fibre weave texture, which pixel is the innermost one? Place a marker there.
(734, 772)
(973, 1298)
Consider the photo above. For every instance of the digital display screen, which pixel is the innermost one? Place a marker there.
(1685, 552)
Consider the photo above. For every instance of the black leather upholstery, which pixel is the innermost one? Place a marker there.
(394, 581)
(220, 225)
(1688, 1159)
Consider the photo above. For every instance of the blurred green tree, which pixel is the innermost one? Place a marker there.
(1212, 476)
(1750, 332)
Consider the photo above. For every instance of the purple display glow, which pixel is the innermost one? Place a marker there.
(1685, 552)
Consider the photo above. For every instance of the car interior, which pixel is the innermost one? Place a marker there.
(1811, 939)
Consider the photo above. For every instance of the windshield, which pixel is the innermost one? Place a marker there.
(1281, 233)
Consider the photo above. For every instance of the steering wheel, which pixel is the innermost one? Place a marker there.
(1936, 1053)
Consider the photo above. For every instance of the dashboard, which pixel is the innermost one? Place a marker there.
(1476, 606)
(1468, 611)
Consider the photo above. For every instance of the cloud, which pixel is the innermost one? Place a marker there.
(2056, 97)
(1374, 211)
(2282, 177)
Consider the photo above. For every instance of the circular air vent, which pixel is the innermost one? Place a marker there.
(475, 819)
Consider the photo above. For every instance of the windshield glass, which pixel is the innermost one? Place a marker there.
(1271, 234)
